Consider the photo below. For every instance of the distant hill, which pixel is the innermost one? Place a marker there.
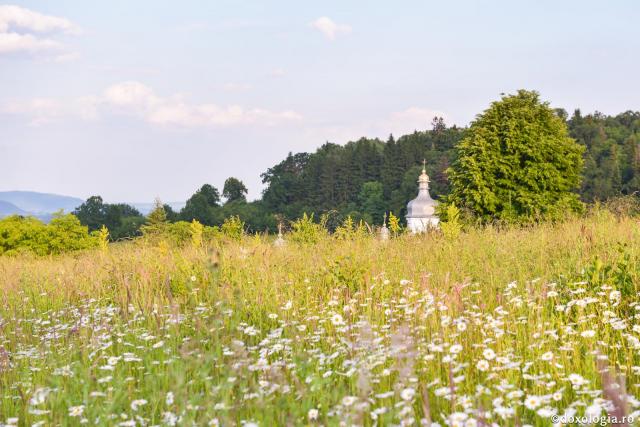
(7, 208)
(42, 205)
(38, 204)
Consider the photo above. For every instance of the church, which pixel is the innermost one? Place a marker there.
(421, 211)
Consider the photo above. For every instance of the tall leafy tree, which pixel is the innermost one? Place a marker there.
(203, 206)
(372, 202)
(518, 162)
(121, 219)
(234, 190)
(91, 213)
(210, 194)
(285, 192)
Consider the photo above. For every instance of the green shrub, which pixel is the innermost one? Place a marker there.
(233, 227)
(196, 230)
(452, 226)
(179, 232)
(346, 230)
(394, 224)
(27, 234)
(305, 230)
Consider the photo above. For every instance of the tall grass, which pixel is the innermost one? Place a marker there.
(353, 331)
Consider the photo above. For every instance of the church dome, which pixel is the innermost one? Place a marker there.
(422, 206)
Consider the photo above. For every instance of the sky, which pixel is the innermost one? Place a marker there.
(137, 100)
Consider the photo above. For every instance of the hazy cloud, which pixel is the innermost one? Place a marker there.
(277, 72)
(236, 87)
(329, 28)
(22, 31)
(138, 100)
(14, 42)
(46, 110)
(19, 18)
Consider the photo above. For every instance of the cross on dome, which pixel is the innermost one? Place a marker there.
(424, 178)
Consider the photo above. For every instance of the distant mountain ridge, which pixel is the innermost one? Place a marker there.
(32, 202)
(43, 205)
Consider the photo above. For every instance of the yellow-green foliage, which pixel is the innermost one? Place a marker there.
(103, 238)
(233, 227)
(344, 327)
(197, 230)
(178, 232)
(346, 230)
(305, 230)
(27, 234)
(394, 224)
(452, 226)
(182, 233)
(157, 222)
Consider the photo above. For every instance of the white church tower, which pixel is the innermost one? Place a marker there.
(421, 211)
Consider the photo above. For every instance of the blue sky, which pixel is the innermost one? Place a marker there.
(133, 100)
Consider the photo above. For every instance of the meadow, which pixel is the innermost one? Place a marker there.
(496, 326)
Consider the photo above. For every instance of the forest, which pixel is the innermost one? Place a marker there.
(367, 178)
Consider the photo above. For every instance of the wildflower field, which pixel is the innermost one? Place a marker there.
(492, 327)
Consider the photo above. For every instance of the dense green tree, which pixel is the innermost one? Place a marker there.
(372, 202)
(172, 215)
(612, 157)
(330, 180)
(129, 228)
(518, 162)
(285, 192)
(234, 190)
(121, 220)
(203, 206)
(254, 214)
(210, 193)
(92, 213)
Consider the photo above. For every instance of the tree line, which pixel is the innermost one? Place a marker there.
(367, 178)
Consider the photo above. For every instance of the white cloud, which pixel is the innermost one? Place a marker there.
(14, 42)
(130, 94)
(21, 30)
(329, 28)
(19, 18)
(138, 100)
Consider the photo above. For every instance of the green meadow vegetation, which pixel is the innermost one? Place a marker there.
(488, 326)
